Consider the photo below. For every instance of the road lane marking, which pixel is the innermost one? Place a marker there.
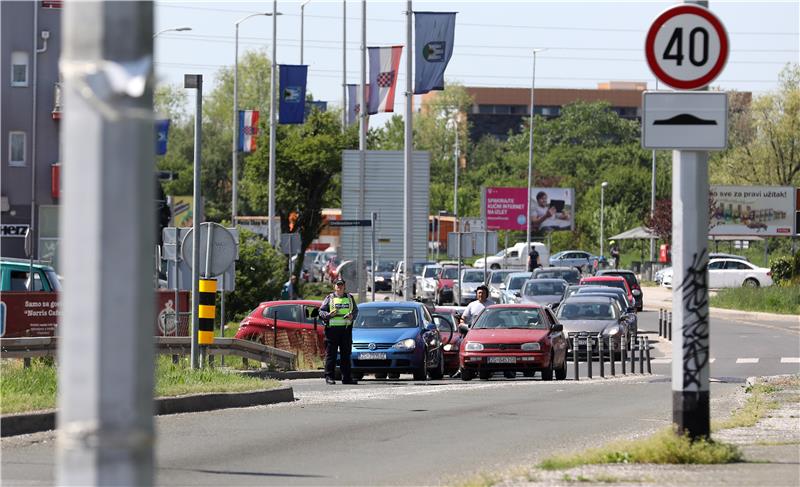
(712, 360)
(790, 360)
(746, 360)
(657, 361)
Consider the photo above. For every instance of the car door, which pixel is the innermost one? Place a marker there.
(716, 274)
(309, 314)
(738, 272)
(557, 339)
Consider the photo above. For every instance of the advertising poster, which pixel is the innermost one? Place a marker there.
(182, 211)
(550, 208)
(752, 210)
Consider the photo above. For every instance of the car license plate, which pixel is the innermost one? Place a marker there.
(582, 341)
(372, 356)
(501, 360)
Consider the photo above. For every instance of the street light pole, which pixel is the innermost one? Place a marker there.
(602, 214)
(530, 153)
(171, 29)
(270, 233)
(302, 13)
(235, 145)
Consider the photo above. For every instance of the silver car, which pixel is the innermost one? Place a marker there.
(464, 289)
(547, 292)
(586, 316)
(497, 278)
(513, 285)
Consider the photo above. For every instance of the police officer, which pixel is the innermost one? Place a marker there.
(338, 311)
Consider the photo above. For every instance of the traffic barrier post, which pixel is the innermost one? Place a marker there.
(601, 352)
(647, 351)
(611, 356)
(669, 327)
(660, 322)
(575, 363)
(589, 356)
(641, 355)
(633, 355)
(623, 352)
(206, 314)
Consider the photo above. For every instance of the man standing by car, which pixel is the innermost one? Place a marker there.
(533, 260)
(475, 308)
(338, 311)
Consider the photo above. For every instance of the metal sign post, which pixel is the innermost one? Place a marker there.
(687, 48)
(372, 257)
(196, 81)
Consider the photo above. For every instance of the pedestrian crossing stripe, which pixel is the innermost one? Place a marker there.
(746, 360)
(784, 360)
(790, 360)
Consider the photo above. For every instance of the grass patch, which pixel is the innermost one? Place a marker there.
(756, 407)
(35, 388)
(664, 447)
(772, 299)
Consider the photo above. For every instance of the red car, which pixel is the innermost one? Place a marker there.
(450, 336)
(289, 316)
(513, 338)
(444, 284)
(610, 281)
(330, 271)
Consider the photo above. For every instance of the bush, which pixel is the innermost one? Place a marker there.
(311, 290)
(260, 273)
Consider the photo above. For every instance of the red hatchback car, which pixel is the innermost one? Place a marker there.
(513, 338)
(450, 336)
(288, 315)
(610, 281)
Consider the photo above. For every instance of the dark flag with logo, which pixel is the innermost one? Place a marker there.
(292, 104)
(162, 131)
(435, 32)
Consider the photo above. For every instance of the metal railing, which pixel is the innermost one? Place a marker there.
(594, 346)
(665, 324)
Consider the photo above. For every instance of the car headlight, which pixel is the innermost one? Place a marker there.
(405, 345)
(613, 331)
(450, 347)
(474, 347)
(446, 288)
(636, 292)
(531, 347)
(379, 279)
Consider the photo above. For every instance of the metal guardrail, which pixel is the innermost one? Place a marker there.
(587, 344)
(26, 348)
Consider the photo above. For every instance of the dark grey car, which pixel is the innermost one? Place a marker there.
(547, 292)
(587, 316)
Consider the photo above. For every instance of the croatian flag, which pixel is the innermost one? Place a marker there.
(354, 103)
(383, 67)
(248, 130)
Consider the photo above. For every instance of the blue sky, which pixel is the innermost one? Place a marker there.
(586, 42)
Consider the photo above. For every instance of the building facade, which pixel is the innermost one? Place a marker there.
(30, 35)
(500, 111)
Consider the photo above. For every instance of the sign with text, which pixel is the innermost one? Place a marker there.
(550, 208)
(349, 223)
(753, 210)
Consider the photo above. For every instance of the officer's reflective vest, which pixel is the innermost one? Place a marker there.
(340, 307)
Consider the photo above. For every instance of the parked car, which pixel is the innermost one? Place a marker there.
(512, 286)
(586, 316)
(447, 319)
(611, 281)
(465, 288)
(514, 338)
(496, 284)
(726, 273)
(515, 257)
(633, 283)
(398, 281)
(627, 309)
(569, 274)
(721, 255)
(444, 285)
(546, 292)
(427, 283)
(578, 259)
(258, 325)
(15, 276)
(383, 276)
(394, 338)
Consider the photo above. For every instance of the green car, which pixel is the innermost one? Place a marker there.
(15, 276)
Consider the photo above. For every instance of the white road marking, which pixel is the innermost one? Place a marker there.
(712, 360)
(746, 360)
(661, 361)
(790, 360)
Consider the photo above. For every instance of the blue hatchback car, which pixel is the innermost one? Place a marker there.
(390, 338)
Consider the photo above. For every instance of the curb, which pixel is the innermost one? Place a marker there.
(271, 374)
(25, 423)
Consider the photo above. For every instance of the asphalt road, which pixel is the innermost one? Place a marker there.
(406, 432)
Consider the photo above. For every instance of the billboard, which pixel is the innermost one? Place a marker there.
(550, 208)
(752, 210)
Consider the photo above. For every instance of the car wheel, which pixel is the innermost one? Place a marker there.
(380, 375)
(547, 373)
(529, 373)
(750, 282)
(561, 372)
(494, 266)
(509, 374)
(484, 375)
(467, 374)
(438, 372)
(394, 375)
(421, 373)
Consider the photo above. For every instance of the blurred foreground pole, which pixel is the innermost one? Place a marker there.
(105, 402)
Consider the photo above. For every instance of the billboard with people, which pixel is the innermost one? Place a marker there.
(549, 208)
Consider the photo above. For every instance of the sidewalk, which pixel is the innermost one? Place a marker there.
(771, 451)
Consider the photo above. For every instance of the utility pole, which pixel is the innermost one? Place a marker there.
(344, 64)
(362, 155)
(271, 203)
(105, 373)
(408, 241)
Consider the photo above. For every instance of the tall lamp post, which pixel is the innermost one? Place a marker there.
(530, 153)
(302, 13)
(602, 213)
(235, 148)
(171, 29)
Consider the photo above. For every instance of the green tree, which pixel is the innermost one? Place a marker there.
(260, 274)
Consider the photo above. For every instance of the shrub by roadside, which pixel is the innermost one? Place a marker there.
(773, 299)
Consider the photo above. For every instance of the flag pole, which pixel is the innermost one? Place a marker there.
(271, 202)
(344, 65)
(409, 145)
(362, 155)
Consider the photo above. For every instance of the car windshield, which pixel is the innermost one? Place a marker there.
(473, 276)
(498, 277)
(384, 266)
(418, 268)
(450, 273)
(516, 282)
(586, 311)
(502, 253)
(430, 271)
(385, 318)
(526, 318)
(616, 284)
(533, 288)
(53, 278)
(630, 278)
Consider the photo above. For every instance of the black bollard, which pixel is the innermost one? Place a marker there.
(669, 327)
(623, 357)
(575, 362)
(641, 356)
(589, 356)
(647, 351)
(611, 356)
(633, 357)
(601, 352)
(660, 322)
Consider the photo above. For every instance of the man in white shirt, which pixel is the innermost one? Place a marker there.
(475, 308)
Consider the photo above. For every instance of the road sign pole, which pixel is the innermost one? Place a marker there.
(372, 256)
(198, 126)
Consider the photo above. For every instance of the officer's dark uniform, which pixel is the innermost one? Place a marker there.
(338, 334)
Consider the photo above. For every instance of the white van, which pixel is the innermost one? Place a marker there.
(515, 257)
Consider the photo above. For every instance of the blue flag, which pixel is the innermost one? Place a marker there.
(162, 131)
(433, 47)
(292, 93)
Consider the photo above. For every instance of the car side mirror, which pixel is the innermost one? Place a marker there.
(556, 327)
(463, 329)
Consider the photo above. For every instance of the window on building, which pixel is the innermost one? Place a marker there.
(16, 148)
(19, 68)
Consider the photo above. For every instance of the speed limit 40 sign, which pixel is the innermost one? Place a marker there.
(686, 47)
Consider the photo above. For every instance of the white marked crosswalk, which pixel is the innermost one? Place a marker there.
(790, 360)
(740, 360)
(746, 360)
